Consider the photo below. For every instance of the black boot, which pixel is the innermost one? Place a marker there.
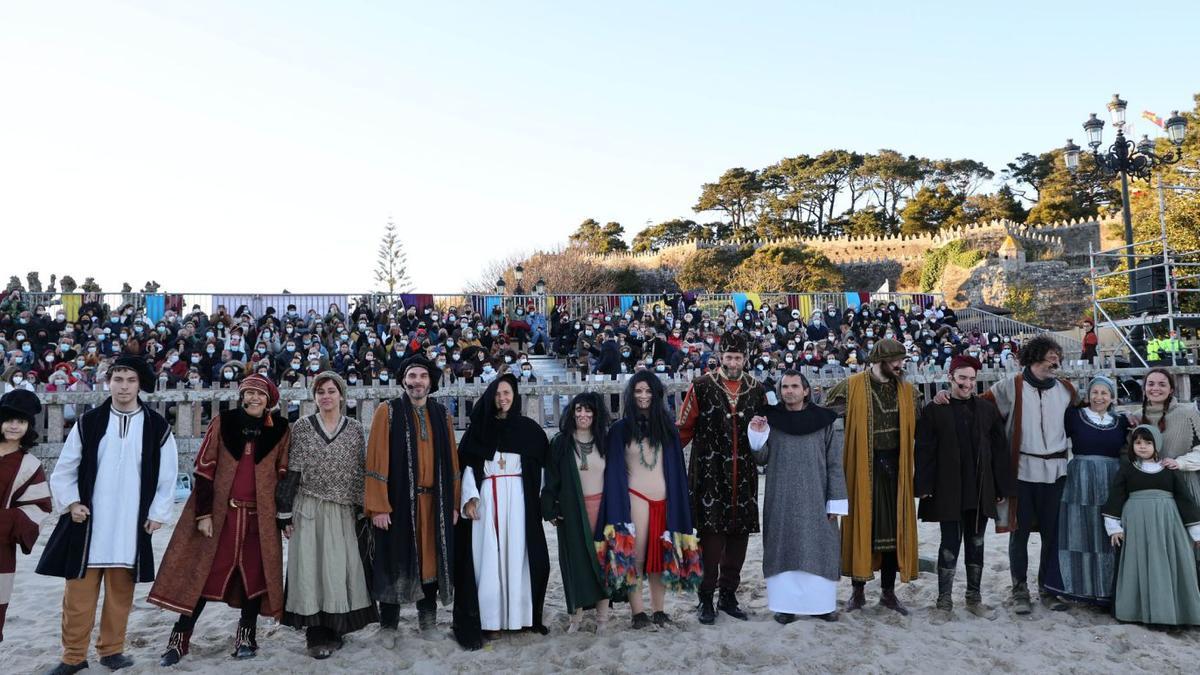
(427, 617)
(858, 597)
(245, 642)
(975, 597)
(67, 669)
(888, 599)
(177, 648)
(944, 610)
(728, 603)
(116, 661)
(705, 611)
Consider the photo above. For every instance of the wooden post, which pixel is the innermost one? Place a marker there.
(184, 418)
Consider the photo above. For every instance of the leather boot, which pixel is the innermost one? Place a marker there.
(1020, 598)
(858, 598)
(427, 617)
(975, 596)
(245, 642)
(944, 610)
(705, 610)
(728, 603)
(888, 599)
(177, 647)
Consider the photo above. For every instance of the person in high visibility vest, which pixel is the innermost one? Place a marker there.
(1169, 346)
(1153, 350)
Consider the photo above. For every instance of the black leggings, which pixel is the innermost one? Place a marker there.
(389, 614)
(249, 619)
(967, 533)
(889, 566)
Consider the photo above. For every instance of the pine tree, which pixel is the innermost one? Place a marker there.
(391, 267)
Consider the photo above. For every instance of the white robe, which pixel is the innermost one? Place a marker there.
(117, 491)
(498, 545)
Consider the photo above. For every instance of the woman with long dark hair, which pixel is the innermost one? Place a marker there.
(1179, 424)
(501, 563)
(571, 501)
(24, 492)
(645, 522)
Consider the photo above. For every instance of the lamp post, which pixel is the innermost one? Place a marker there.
(518, 274)
(540, 286)
(1125, 158)
(500, 286)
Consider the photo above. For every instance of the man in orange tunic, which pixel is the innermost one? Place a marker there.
(412, 489)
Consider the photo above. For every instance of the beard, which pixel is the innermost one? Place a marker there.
(416, 390)
(730, 373)
(889, 372)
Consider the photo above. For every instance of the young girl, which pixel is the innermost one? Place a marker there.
(1150, 516)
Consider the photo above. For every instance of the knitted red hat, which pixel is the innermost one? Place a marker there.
(964, 361)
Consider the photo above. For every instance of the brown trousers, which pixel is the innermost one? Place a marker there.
(79, 612)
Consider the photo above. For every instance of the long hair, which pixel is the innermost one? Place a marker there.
(600, 418)
(1162, 421)
(31, 435)
(659, 426)
(483, 415)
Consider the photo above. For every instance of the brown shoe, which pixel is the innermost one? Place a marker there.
(858, 598)
(888, 599)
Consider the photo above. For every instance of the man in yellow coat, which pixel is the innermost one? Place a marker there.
(880, 422)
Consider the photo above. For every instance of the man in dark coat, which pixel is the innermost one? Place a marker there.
(412, 489)
(962, 472)
(724, 477)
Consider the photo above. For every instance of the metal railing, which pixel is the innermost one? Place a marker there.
(972, 318)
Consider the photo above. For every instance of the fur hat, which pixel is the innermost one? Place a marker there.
(261, 384)
(733, 342)
(328, 376)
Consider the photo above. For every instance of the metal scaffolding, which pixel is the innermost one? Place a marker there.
(1177, 268)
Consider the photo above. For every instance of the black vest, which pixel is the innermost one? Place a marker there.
(66, 553)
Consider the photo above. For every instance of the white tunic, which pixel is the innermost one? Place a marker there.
(498, 544)
(115, 525)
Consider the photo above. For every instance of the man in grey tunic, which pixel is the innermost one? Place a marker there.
(806, 491)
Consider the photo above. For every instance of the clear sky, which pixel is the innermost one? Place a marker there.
(255, 146)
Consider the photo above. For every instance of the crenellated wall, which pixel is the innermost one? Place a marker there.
(1064, 239)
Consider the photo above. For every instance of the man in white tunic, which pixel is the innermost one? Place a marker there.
(805, 493)
(114, 485)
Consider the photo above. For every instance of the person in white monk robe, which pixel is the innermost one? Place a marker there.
(501, 562)
(806, 492)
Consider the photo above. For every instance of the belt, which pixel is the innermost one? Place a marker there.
(1057, 455)
(423, 490)
(239, 504)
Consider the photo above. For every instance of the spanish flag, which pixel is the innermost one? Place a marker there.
(1152, 118)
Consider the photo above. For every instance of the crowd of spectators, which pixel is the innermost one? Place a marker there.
(366, 344)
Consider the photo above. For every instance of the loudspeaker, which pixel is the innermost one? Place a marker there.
(1148, 279)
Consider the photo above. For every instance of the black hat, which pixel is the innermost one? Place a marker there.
(140, 366)
(22, 402)
(418, 361)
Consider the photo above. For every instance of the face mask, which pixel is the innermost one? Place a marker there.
(508, 359)
(227, 375)
(211, 350)
(314, 367)
(525, 372)
(456, 356)
(172, 359)
(50, 358)
(262, 350)
(91, 350)
(79, 363)
(449, 343)
(494, 333)
(295, 365)
(626, 353)
(194, 381)
(660, 368)
(488, 368)
(441, 364)
(124, 336)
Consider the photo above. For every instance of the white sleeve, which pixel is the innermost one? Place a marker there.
(1190, 461)
(64, 480)
(758, 438)
(1194, 531)
(838, 507)
(469, 489)
(1112, 526)
(164, 492)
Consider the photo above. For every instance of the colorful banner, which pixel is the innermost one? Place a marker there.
(740, 300)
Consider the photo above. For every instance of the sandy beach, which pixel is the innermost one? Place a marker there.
(876, 640)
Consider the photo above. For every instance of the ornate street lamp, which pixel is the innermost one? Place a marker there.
(1126, 158)
(500, 286)
(540, 286)
(518, 274)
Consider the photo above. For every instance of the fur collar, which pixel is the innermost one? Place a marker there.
(233, 440)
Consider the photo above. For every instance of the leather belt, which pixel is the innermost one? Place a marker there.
(423, 490)
(239, 504)
(1057, 455)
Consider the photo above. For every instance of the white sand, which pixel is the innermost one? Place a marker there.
(873, 641)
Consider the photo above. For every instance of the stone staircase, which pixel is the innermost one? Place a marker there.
(548, 369)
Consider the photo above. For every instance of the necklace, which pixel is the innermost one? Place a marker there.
(582, 450)
(642, 455)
